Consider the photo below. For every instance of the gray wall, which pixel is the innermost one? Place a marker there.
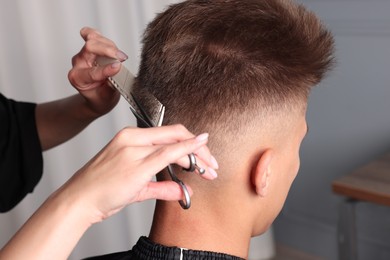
(349, 121)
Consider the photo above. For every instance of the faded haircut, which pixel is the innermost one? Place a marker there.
(217, 64)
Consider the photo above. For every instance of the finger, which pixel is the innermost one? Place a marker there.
(104, 47)
(96, 45)
(98, 37)
(90, 34)
(99, 45)
(164, 135)
(209, 173)
(205, 155)
(84, 77)
(145, 151)
(163, 190)
(171, 153)
(86, 32)
(157, 135)
(176, 133)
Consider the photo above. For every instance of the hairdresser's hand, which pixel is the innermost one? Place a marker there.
(90, 80)
(121, 173)
(118, 175)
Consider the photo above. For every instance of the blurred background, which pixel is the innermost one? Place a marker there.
(348, 116)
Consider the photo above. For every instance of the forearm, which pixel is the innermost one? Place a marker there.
(60, 120)
(51, 233)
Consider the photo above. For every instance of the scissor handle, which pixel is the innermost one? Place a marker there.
(186, 204)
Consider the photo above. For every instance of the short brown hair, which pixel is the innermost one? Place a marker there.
(211, 61)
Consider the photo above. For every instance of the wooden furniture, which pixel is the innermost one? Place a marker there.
(370, 183)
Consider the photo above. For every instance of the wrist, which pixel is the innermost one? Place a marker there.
(99, 104)
(83, 109)
(74, 206)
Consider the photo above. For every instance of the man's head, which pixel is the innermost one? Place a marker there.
(242, 71)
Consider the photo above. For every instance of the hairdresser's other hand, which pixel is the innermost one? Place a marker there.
(121, 173)
(90, 80)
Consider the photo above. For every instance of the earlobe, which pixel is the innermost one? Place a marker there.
(262, 173)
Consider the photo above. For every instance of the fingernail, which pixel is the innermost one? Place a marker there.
(121, 56)
(213, 172)
(214, 162)
(202, 137)
(115, 64)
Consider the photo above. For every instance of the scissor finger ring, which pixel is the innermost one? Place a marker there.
(186, 203)
(193, 165)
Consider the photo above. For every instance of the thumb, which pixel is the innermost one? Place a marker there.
(163, 190)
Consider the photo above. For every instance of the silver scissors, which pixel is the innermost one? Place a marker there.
(153, 120)
(139, 100)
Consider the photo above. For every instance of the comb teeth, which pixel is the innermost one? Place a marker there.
(148, 106)
(144, 105)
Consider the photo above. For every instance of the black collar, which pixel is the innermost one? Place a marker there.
(148, 250)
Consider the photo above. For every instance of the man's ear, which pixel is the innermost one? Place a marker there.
(262, 173)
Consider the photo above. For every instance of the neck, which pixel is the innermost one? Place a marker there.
(202, 227)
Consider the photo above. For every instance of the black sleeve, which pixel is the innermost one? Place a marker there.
(21, 162)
